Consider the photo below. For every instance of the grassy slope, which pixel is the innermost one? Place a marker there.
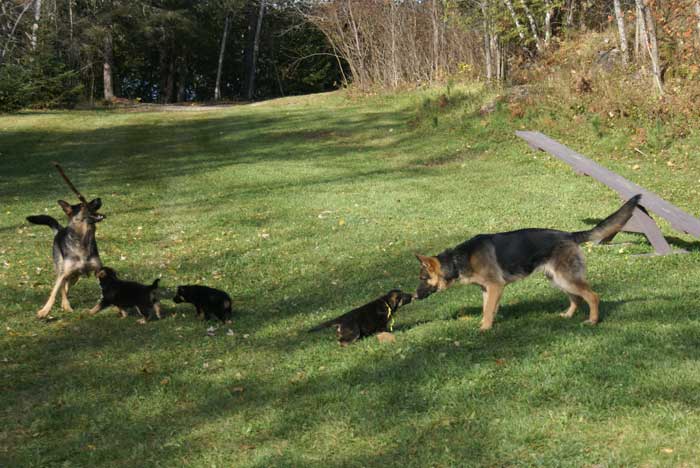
(303, 208)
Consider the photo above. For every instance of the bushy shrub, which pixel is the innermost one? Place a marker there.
(41, 82)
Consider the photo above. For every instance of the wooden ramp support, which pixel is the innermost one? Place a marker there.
(641, 221)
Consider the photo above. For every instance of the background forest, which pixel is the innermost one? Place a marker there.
(65, 52)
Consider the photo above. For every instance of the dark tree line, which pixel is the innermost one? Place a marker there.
(60, 52)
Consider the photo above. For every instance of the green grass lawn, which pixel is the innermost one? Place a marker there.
(302, 209)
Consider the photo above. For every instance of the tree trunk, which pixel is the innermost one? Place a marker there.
(639, 32)
(621, 30)
(108, 54)
(533, 26)
(12, 32)
(436, 40)
(651, 45)
(394, 66)
(488, 58)
(250, 92)
(35, 25)
(697, 14)
(70, 18)
(570, 13)
(518, 26)
(170, 79)
(181, 79)
(222, 49)
(548, 22)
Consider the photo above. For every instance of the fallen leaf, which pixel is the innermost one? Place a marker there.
(165, 381)
(500, 362)
(667, 450)
(386, 337)
(237, 390)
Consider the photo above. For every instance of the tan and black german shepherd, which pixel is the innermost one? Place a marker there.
(494, 260)
(74, 248)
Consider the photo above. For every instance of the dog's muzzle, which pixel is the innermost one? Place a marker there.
(424, 291)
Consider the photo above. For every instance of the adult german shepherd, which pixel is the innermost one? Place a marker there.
(74, 248)
(494, 260)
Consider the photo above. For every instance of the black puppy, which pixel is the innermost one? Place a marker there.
(373, 317)
(207, 301)
(123, 294)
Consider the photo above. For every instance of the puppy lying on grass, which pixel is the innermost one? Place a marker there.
(123, 294)
(206, 300)
(374, 317)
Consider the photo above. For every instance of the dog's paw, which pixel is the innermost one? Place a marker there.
(67, 308)
(590, 322)
(565, 315)
(142, 321)
(484, 328)
(42, 313)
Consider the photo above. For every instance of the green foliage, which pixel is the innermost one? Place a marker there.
(15, 87)
(40, 83)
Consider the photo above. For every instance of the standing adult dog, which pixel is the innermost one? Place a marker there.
(74, 248)
(494, 260)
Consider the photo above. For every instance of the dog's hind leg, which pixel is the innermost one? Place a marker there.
(574, 302)
(65, 304)
(44, 311)
(567, 271)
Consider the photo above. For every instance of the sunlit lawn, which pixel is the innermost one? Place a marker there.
(301, 209)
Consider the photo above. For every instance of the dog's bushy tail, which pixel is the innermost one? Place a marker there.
(610, 225)
(154, 285)
(327, 324)
(45, 221)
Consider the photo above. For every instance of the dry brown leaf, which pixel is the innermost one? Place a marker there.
(386, 337)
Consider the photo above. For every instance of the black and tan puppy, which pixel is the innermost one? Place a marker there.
(206, 300)
(74, 248)
(494, 260)
(374, 317)
(124, 294)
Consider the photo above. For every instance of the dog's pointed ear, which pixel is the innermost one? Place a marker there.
(430, 263)
(67, 208)
(94, 204)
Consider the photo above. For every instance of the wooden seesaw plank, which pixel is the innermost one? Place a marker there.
(641, 221)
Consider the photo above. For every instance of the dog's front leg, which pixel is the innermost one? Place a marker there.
(492, 297)
(156, 309)
(44, 311)
(99, 306)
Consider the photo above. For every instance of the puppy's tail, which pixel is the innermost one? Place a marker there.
(327, 324)
(154, 285)
(610, 225)
(45, 221)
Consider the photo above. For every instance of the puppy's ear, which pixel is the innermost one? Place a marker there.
(432, 264)
(101, 274)
(67, 208)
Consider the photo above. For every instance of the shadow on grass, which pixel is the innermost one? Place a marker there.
(156, 152)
